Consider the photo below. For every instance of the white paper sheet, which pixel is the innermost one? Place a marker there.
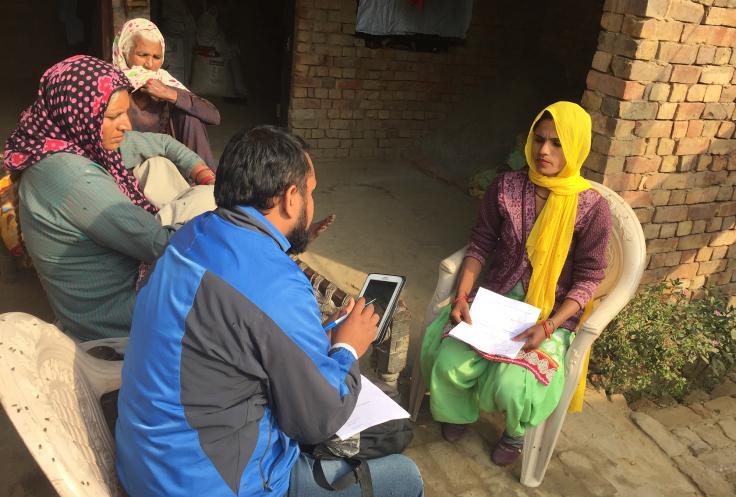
(496, 320)
(373, 407)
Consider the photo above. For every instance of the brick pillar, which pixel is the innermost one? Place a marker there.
(661, 94)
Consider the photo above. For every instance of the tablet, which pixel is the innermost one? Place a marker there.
(385, 288)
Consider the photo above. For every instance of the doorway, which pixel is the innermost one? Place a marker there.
(253, 38)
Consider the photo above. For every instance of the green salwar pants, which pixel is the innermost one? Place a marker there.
(462, 383)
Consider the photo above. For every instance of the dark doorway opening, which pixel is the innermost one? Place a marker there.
(536, 53)
(36, 34)
(254, 37)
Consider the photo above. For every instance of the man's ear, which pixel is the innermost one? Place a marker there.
(291, 202)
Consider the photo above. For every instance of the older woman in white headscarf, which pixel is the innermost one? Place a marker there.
(159, 102)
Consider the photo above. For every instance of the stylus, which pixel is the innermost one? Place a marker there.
(342, 318)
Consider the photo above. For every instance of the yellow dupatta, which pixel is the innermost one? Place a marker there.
(549, 241)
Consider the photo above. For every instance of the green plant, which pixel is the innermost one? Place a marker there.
(667, 342)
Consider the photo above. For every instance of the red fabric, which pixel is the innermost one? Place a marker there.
(418, 3)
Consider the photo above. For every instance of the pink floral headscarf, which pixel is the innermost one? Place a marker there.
(67, 117)
(139, 75)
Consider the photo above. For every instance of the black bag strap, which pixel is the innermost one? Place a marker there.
(360, 473)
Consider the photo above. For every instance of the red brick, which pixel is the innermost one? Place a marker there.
(713, 93)
(640, 70)
(610, 85)
(696, 93)
(716, 75)
(666, 181)
(701, 195)
(687, 111)
(679, 129)
(712, 267)
(679, 92)
(722, 146)
(666, 259)
(646, 8)
(637, 199)
(694, 128)
(666, 110)
(726, 209)
(698, 212)
(685, 74)
(626, 146)
(661, 245)
(706, 55)
(652, 29)
(670, 214)
(677, 53)
(612, 22)
(591, 101)
(685, 271)
(718, 110)
(690, 146)
(704, 254)
(722, 17)
(693, 241)
(723, 56)
(726, 129)
(601, 61)
(633, 48)
(641, 164)
(687, 256)
(611, 126)
(685, 10)
(630, 110)
(657, 92)
(710, 35)
(347, 84)
(622, 181)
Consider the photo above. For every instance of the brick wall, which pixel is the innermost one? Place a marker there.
(661, 93)
(351, 101)
(464, 105)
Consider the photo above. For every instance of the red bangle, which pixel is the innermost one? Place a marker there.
(458, 299)
(549, 327)
(210, 174)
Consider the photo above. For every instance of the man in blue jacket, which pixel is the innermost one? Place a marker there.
(228, 367)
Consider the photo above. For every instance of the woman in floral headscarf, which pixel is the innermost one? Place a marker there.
(546, 232)
(86, 222)
(159, 102)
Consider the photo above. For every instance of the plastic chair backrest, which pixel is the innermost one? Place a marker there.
(51, 390)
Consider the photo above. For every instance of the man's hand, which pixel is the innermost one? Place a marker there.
(158, 90)
(359, 328)
(338, 314)
(533, 336)
(461, 312)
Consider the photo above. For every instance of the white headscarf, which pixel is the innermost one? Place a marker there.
(125, 40)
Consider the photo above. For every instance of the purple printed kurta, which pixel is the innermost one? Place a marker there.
(505, 219)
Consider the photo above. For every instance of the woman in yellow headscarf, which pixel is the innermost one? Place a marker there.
(544, 232)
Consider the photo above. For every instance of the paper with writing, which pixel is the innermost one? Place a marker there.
(496, 320)
(373, 407)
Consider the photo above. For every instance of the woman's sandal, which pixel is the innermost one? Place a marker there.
(452, 432)
(505, 453)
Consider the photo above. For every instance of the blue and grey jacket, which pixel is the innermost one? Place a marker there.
(228, 367)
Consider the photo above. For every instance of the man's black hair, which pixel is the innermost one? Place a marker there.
(258, 165)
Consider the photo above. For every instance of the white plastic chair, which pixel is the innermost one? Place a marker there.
(50, 389)
(626, 262)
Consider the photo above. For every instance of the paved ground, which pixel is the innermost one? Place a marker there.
(392, 218)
